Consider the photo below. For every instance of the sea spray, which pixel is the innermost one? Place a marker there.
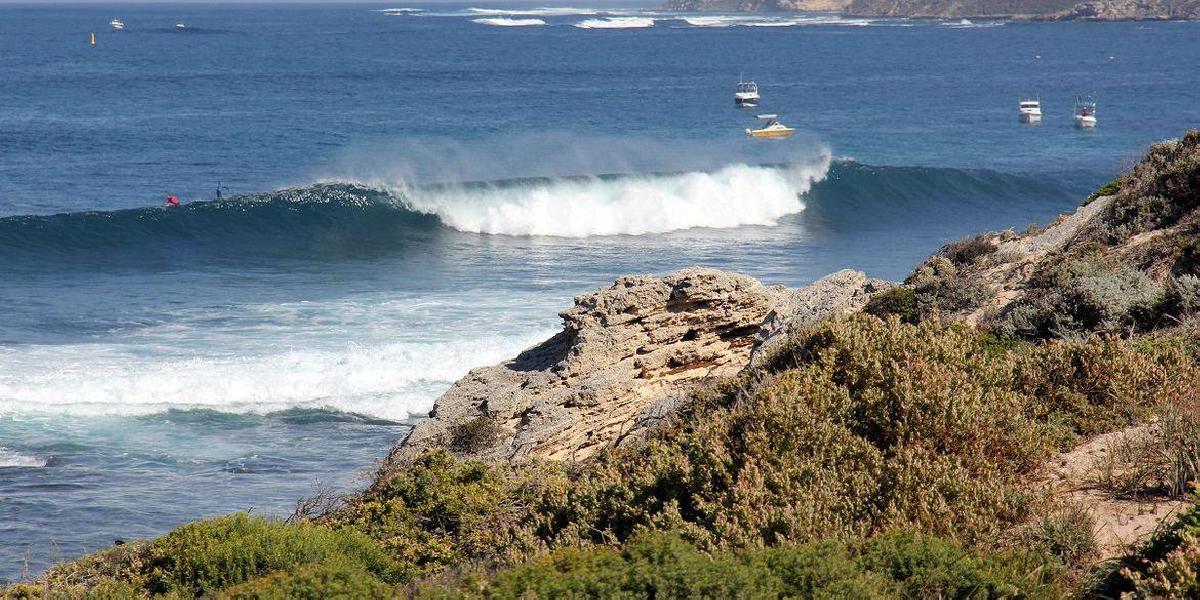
(732, 196)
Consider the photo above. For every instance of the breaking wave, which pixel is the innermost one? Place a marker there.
(12, 459)
(732, 196)
(616, 23)
(390, 381)
(508, 22)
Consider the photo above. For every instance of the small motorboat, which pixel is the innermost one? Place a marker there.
(117, 24)
(745, 94)
(180, 26)
(1085, 112)
(1030, 111)
(771, 128)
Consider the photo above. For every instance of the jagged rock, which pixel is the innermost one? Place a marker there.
(842, 292)
(626, 356)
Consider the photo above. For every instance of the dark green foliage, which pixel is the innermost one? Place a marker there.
(201, 558)
(312, 582)
(898, 565)
(899, 301)
(1107, 189)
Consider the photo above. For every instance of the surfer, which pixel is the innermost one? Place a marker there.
(219, 189)
(172, 201)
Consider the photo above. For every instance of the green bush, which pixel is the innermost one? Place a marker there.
(659, 565)
(899, 301)
(1107, 189)
(312, 582)
(201, 558)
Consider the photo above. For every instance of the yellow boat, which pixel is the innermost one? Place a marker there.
(772, 128)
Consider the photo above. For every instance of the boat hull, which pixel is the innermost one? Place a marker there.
(745, 102)
(1085, 122)
(770, 134)
(1030, 118)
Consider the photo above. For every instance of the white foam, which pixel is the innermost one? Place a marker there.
(968, 24)
(616, 23)
(391, 380)
(546, 11)
(13, 459)
(400, 11)
(508, 22)
(731, 196)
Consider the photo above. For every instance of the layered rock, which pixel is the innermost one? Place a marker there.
(625, 355)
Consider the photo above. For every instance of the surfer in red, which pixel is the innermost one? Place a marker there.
(172, 201)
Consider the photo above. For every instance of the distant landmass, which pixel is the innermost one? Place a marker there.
(1100, 10)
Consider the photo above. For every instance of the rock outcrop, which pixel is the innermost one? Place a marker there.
(625, 355)
(1095, 10)
(1105, 10)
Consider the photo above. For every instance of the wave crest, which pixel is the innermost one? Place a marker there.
(732, 196)
(616, 23)
(508, 22)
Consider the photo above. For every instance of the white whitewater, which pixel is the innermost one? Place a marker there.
(732, 196)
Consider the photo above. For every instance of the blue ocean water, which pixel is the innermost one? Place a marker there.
(415, 192)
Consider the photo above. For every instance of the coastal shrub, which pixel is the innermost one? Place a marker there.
(967, 252)
(439, 510)
(203, 557)
(900, 565)
(1107, 189)
(1158, 190)
(1070, 304)
(939, 288)
(312, 582)
(478, 434)
(899, 301)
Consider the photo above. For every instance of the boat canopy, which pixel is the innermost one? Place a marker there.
(768, 117)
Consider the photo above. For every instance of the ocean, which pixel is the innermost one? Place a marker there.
(409, 193)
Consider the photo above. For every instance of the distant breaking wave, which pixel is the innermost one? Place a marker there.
(732, 196)
(508, 22)
(10, 459)
(616, 23)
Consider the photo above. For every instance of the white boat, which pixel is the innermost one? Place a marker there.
(745, 94)
(117, 24)
(180, 26)
(1085, 112)
(1030, 111)
(771, 128)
